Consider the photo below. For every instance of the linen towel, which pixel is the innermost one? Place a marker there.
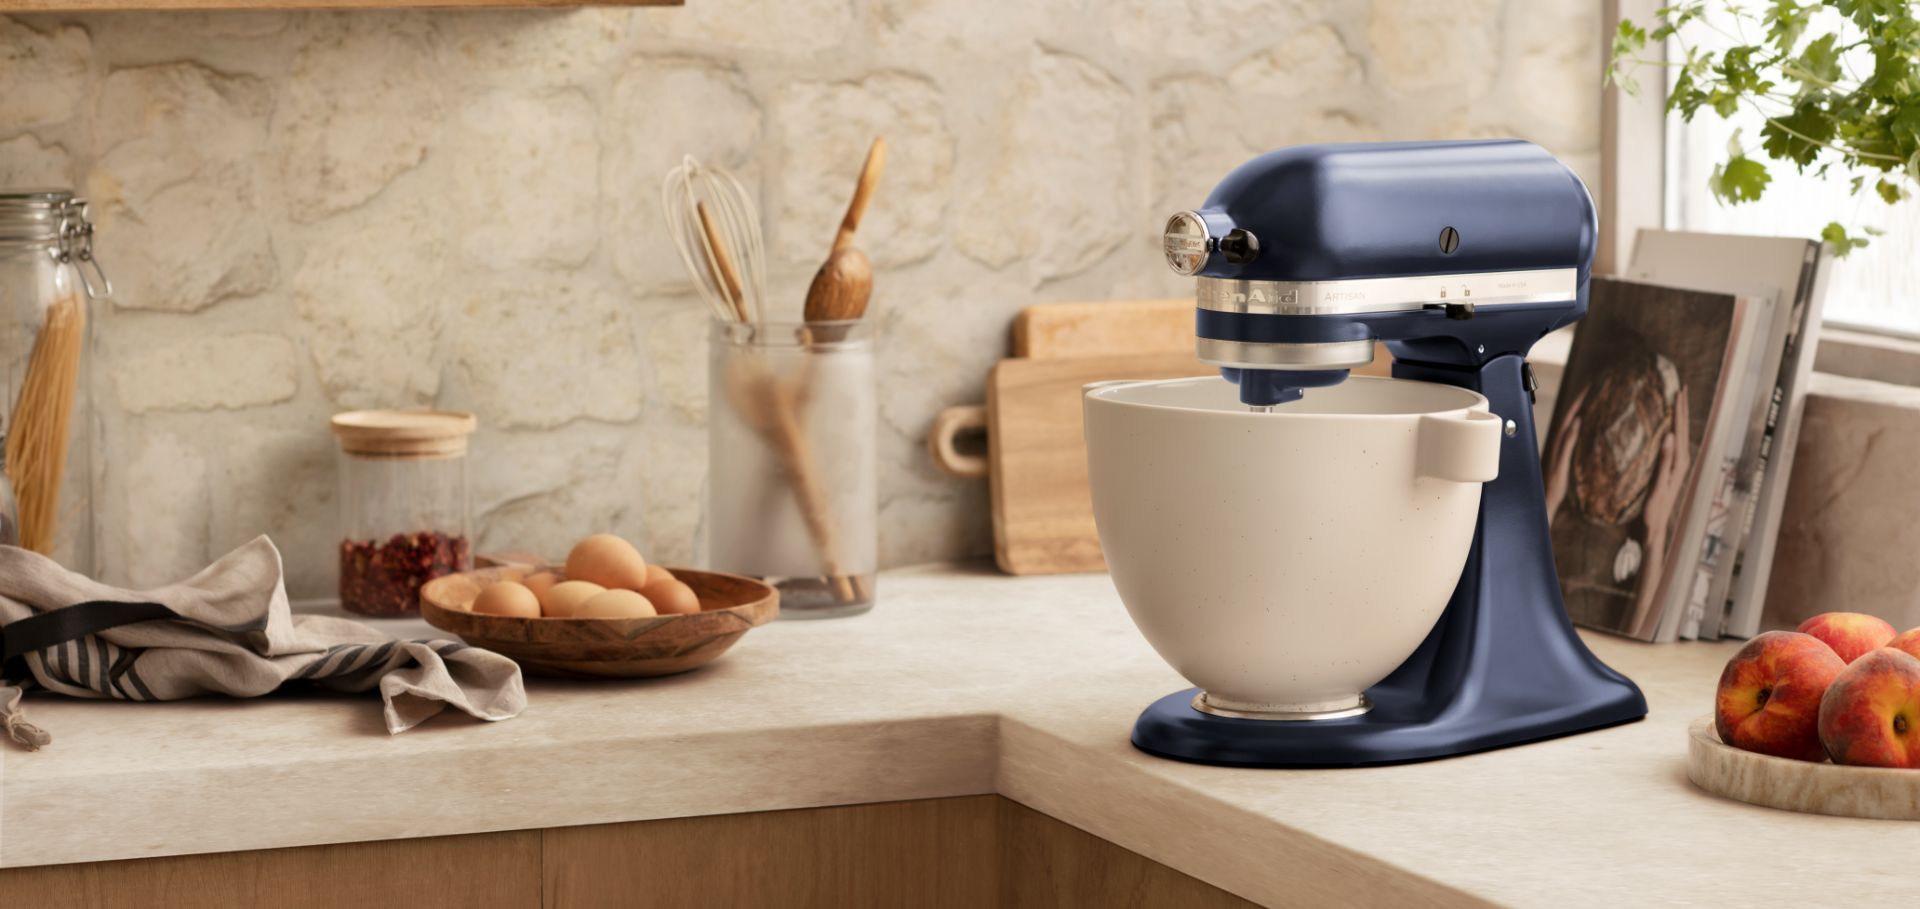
(227, 630)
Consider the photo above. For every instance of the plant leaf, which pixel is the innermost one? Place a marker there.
(1836, 237)
(1818, 66)
(1799, 136)
(1786, 22)
(1628, 41)
(1740, 179)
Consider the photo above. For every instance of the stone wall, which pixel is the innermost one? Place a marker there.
(315, 211)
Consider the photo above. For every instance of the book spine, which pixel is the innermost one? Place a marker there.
(1738, 622)
(1712, 550)
(1687, 579)
(1749, 590)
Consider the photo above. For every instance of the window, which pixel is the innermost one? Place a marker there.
(1876, 288)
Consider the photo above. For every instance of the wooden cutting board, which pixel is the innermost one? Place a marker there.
(1104, 327)
(1037, 456)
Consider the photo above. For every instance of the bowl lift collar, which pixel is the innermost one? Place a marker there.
(1459, 255)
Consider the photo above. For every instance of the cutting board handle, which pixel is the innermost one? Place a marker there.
(949, 425)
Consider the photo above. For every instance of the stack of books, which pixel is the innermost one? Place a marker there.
(1674, 429)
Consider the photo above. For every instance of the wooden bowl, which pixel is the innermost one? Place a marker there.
(1761, 779)
(730, 606)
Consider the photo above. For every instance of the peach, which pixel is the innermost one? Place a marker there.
(1850, 634)
(1870, 716)
(1908, 640)
(1769, 695)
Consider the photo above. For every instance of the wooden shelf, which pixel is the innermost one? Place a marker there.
(101, 6)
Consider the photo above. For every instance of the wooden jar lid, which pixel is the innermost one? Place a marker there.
(404, 433)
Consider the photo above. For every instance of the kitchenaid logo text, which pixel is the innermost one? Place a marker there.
(1230, 298)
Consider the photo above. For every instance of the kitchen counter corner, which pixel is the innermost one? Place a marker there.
(961, 682)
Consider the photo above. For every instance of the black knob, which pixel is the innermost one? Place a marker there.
(1459, 312)
(1240, 246)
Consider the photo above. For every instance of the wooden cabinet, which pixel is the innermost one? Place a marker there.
(957, 853)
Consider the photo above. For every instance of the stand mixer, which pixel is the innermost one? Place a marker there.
(1458, 255)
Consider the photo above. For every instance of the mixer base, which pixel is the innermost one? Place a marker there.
(1393, 732)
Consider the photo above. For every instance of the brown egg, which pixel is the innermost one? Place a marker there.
(540, 581)
(671, 597)
(507, 598)
(564, 599)
(656, 574)
(607, 561)
(615, 604)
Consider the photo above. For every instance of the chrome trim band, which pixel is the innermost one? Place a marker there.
(1364, 295)
(1276, 712)
(1274, 355)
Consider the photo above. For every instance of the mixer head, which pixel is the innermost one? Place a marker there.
(1452, 252)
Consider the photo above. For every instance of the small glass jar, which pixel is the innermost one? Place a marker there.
(403, 505)
(792, 486)
(48, 279)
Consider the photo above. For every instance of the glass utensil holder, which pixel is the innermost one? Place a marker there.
(792, 489)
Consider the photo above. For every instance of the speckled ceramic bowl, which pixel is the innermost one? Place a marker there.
(1287, 561)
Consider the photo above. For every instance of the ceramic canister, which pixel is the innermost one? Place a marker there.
(1287, 561)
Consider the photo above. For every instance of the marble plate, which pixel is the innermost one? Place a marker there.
(1760, 779)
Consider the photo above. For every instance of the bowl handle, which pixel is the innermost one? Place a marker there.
(1462, 447)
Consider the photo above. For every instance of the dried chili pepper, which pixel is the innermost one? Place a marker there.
(384, 579)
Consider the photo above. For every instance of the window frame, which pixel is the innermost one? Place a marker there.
(1633, 145)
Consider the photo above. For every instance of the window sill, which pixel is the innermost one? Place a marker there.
(1865, 355)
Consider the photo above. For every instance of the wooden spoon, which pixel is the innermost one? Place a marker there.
(844, 283)
(841, 288)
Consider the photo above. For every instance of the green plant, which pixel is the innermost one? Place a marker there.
(1807, 76)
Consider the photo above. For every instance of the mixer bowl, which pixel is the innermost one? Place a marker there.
(1287, 561)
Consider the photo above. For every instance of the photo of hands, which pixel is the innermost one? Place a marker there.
(1623, 454)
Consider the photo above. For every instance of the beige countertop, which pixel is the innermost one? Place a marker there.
(961, 682)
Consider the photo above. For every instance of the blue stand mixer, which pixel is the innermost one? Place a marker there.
(1459, 255)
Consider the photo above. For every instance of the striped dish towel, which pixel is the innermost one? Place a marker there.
(227, 630)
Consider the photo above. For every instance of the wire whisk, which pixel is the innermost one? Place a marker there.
(717, 230)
